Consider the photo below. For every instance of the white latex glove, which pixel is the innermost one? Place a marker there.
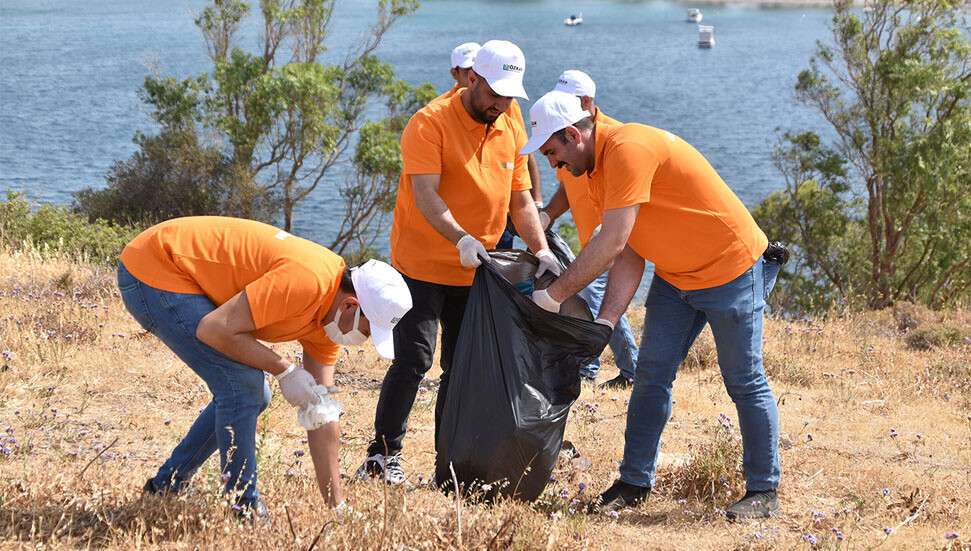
(298, 386)
(326, 410)
(547, 263)
(604, 321)
(343, 511)
(471, 252)
(545, 301)
(544, 220)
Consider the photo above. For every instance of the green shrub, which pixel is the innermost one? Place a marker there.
(54, 229)
(714, 474)
(569, 234)
(172, 175)
(938, 335)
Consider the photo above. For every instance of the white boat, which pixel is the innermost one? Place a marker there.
(694, 15)
(573, 20)
(706, 36)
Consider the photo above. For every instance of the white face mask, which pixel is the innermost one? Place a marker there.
(354, 337)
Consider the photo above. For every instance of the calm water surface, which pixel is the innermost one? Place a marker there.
(71, 71)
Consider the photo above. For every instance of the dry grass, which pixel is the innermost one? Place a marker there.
(876, 434)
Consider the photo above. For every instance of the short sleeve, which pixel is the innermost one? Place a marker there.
(279, 295)
(321, 348)
(421, 146)
(520, 176)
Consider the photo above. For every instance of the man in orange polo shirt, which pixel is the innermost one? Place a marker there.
(209, 287)
(462, 173)
(662, 201)
(572, 196)
(462, 57)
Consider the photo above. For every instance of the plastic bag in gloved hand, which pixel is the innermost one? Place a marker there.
(514, 376)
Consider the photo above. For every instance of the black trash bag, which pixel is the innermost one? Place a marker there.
(560, 248)
(515, 375)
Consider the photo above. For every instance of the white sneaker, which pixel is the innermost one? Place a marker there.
(387, 467)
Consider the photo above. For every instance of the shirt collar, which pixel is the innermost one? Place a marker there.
(471, 124)
(600, 137)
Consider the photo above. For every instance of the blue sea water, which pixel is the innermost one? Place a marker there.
(70, 71)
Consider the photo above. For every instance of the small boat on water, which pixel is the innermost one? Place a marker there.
(573, 20)
(694, 15)
(706, 36)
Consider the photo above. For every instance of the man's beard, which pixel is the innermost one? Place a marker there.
(482, 115)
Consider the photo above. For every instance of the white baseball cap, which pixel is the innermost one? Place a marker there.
(552, 112)
(464, 54)
(502, 64)
(576, 82)
(384, 299)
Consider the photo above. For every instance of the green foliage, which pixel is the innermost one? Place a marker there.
(819, 219)
(712, 474)
(894, 84)
(173, 175)
(288, 118)
(938, 335)
(370, 194)
(54, 229)
(569, 234)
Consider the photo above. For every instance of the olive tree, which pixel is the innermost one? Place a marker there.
(884, 212)
(286, 116)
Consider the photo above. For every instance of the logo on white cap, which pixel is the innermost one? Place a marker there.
(384, 299)
(552, 112)
(464, 54)
(502, 64)
(576, 82)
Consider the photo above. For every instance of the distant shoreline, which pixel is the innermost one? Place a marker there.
(771, 3)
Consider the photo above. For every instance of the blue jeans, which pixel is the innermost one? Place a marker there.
(672, 322)
(239, 392)
(505, 240)
(621, 341)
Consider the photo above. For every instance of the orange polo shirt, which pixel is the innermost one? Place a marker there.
(585, 217)
(479, 171)
(290, 282)
(693, 228)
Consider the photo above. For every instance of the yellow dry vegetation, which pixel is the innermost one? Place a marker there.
(875, 442)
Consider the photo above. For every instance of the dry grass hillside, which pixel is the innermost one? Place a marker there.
(876, 443)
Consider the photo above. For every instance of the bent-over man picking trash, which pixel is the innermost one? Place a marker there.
(209, 287)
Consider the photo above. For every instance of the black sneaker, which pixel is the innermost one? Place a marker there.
(618, 383)
(150, 489)
(755, 505)
(256, 512)
(378, 465)
(619, 496)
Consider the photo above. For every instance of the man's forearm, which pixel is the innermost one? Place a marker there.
(526, 219)
(598, 255)
(625, 277)
(433, 207)
(559, 203)
(533, 168)
(227, 329)
(324, 443)
(589, 264)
